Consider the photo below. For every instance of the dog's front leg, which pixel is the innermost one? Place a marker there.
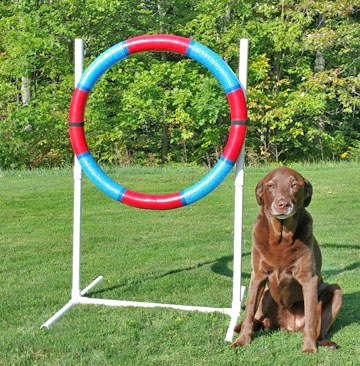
(309, 287)
(256, 290)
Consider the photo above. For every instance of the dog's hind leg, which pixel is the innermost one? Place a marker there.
(268, 311)
(331, 301)
(257, 325)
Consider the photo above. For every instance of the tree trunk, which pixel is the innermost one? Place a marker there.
(25, 80)
(319, 56)
(165, 137)
(319, 61)
(25, 97)
(165, 127)
(319, 66)
(25, 90)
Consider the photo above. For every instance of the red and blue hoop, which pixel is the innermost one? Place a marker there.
(160, 42)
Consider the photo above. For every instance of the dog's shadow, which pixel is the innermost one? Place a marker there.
(350, 311)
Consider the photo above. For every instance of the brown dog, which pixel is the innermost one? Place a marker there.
(286, 287)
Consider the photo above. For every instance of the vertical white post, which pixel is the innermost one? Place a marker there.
(76, 292)
(239, 183)
(238, 289)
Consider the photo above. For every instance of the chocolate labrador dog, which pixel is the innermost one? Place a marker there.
(286, 287)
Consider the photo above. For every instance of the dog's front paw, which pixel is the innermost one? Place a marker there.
(309, 347)
(242, 341)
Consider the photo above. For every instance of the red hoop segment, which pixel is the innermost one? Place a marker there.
(161, 42)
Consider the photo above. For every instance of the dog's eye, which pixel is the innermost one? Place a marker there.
(270, 185)
(295, 185)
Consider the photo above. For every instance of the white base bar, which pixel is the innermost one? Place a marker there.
(234, 313)
(92, 284)
(70, 304)
(59, 314)
(108, 302)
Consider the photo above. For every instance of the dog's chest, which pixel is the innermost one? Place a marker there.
(281, 265)
(281, 259)
(281, 269)
(284, 288)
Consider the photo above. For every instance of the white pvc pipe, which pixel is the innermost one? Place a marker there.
(238, 289)
(240, 181)
(92, 284)
(58, 315)
(109, 302)
(70, 304)
(243, 62)
(75, 293)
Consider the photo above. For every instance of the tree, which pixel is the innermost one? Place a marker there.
(302, 81)
(153, 108)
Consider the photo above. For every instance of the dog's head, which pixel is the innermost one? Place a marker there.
(283, 192)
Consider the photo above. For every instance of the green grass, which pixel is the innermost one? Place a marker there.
(181, 256)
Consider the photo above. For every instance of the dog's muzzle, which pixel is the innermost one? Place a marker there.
(282, 209)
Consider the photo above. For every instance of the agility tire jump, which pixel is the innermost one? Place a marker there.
(160, 42)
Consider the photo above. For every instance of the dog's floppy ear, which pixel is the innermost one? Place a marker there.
(308, 190)
(259, 192)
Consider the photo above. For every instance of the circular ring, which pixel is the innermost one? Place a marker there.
(160, 42)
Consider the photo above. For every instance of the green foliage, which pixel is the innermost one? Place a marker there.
(298, 108)
(303, 85)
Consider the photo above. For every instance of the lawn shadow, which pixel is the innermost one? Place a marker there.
(221, 266)
(339, 246)
(350, 267)
(334, 272)
(350, 311)
(218, 266)
(349, 314)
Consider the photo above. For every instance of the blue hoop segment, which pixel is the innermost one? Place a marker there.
(160, 42)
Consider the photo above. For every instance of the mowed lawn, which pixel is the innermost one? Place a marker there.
(181, 256)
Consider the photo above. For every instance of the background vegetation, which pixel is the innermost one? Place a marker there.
(181, 256)
(303, 92)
